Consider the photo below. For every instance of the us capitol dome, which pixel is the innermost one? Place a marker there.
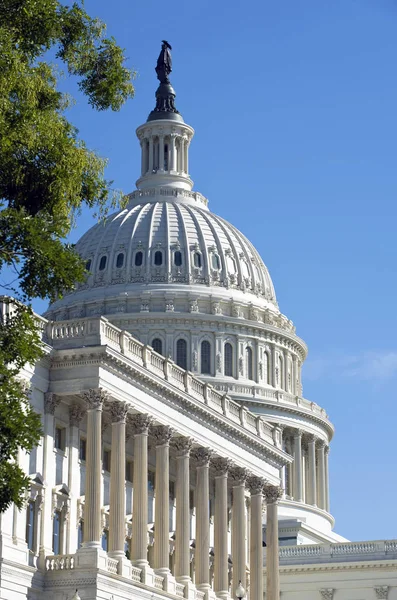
(190, 285)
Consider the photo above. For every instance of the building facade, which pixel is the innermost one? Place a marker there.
(178, 451)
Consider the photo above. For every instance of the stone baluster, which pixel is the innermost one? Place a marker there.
(140, 426)
(182, 447)
(272, 495)
(221, 579)
(312, 487)
(321, 474)
(118, 411)
(255, 486)
(162, 435)
(76, 414)
(298, 478)
(202, 457)
(238, 476)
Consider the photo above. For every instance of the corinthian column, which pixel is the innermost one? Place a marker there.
(76, 414)
(298, 479)
(182, 448)
(321, 474)
(221, 467)
(118, 411)
(255, 486)
(312, 471)
(272, 495)
(238, 476)
(326, 477)
(162, 435)
(202, 457)
(92, 511)
(140, 424)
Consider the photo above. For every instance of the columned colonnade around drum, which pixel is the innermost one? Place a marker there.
(226, 478)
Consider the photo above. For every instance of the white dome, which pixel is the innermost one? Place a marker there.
(168, 241)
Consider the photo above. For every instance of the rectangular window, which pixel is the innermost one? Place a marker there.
(83, 449)
(106, 460)
(60, 438)
(80, 534)
(129, 470)
(30, 524)
(56, 533)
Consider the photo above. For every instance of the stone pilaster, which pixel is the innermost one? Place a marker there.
(272, 495)
(255, 486)
(238, 476)
(162, 435)
(76, 414)
(221, 468)
(118, 411)
(202, 457)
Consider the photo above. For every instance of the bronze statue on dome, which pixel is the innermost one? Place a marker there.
(164, 63)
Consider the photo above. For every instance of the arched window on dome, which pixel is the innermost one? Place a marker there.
(178, 258)
(158, 258)
(88, 265)
(138, 259)
(181, 353)
(166, 158)
(206, 358)
(102, 263)
(157, 345)
(280, 372)
(197, 261)
(250, 363)
(228, 360)
(119, 260)
(216, 263)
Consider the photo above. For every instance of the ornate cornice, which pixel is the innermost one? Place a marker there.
(161, 434)
(76, 414)
(95, 398)
(140, 423)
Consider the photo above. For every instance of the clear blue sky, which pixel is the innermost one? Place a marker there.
(294, 107)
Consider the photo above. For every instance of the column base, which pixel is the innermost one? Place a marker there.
(91, 556)
(169, 580)
(147, 573)
(209, 592)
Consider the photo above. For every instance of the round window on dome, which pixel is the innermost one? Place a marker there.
(158, 258)
(178, 258)
(119, 260)
(102, 263)
(138, 259)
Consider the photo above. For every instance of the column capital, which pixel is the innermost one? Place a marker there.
(238, 475)
(298, 433)
(51, 401)
(321, 444)
(95, 398)
(182, 446)
(118, 411)
(161, 433)
(382, 591)
(256, 485)
(220, 465)
(140, 423)
(311, 438)
(202, 456)
(326, 449)
(327, 593)
(76, 414)
(272, 493)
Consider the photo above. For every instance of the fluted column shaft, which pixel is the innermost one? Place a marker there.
(161, 153)
(76, 413)
(312, 471)
(321, 475)
(150, 155)
(221, 579)
(202, 456)
(326, 474)
(272, 495)
(92, 511)
(172, 165)
(140, 498)
(117, 481)
(162, 435)
(298, 480)
(239, 555)
(182, 531)
(256, 547)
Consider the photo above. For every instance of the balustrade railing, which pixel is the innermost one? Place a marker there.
(60, 562)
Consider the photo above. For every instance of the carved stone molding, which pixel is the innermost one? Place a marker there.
(76, 414)
(161, 434)
(220, 465)
(182, 446)
(255, 485)
(382, 592)
(140, 423)
(272, 493)
(51, 401)
(238, 475)
(202, 456)
(95, 398)
(327, 593)
(118, 411)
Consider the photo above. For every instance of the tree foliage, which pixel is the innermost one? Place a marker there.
(47, 174)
